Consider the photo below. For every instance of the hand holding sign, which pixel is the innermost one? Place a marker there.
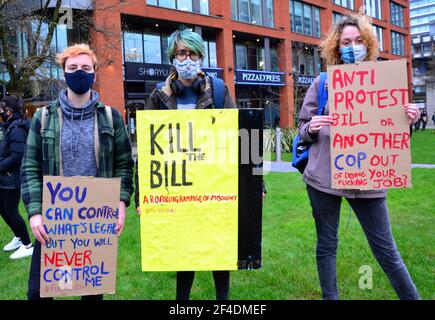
(38, 228)
(121, 218)
(412, 112)
(317, 122)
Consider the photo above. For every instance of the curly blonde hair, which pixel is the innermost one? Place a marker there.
(330, 47)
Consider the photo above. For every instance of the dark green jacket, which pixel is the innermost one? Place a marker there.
(43, 157)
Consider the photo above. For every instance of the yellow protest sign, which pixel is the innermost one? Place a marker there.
(188, 189)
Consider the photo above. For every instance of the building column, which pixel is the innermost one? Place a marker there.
(286, 92)
(107, 45)
(408, 49)
(267, 62)
(224, 44)
(286, 100)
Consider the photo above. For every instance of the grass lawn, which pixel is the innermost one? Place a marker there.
(289, 264)
(289, 270)
(423, 147)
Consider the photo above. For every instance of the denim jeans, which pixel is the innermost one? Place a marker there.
(33, 291)
(373, 216)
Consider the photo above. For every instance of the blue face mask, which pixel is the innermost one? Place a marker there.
(353, 53)
(187, 69)
(79, 81)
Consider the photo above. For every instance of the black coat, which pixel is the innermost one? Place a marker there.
(11, 152)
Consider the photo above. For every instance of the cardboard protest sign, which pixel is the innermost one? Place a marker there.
(370, 138)
(79, 216)
(188, 177)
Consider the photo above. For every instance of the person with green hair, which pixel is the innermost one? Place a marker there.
(187, 87)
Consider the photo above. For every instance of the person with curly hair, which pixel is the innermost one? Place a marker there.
(350, 41)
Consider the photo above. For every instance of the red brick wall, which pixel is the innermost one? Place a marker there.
(107, 46)
(109, 79)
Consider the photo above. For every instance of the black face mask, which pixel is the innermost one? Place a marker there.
(79, 81)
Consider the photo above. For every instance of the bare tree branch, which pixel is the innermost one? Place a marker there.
(24, 56)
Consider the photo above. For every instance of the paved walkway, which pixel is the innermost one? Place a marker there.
(275, 166)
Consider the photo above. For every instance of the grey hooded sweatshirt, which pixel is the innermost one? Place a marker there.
(77, 137)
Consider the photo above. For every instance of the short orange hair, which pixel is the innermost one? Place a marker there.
(75, 50)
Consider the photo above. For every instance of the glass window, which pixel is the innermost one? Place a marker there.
(210, 58)
(298, 16)
(274, 60)
(261, 60)
(317, 21)
(256, 17)
(414, 3)
(152, 48)
(167, 4)
(269, 4)
(306, 61)
(396, 14)
(336, 18)
(253, 11)
(133, 48)
(427, 48)
(165, 46)
(378, 32)
(398, 43)
(204, 8)
(61, 37)
(185, 5)
(241, 59)
(373, 8)
(243, 10)
(252, 58)
(212, 52)
(345, 3)
(234, 13)
(305, 18)
(206, 59)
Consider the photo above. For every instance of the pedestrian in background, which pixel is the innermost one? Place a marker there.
(14, 129)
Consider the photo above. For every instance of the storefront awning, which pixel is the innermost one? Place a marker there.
(263, 78)
(158, 72)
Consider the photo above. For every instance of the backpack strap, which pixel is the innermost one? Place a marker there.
(218, 87)
(159, 86)
(322, 94)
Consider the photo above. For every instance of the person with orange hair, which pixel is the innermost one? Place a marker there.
(77, 135)
(350, 41)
